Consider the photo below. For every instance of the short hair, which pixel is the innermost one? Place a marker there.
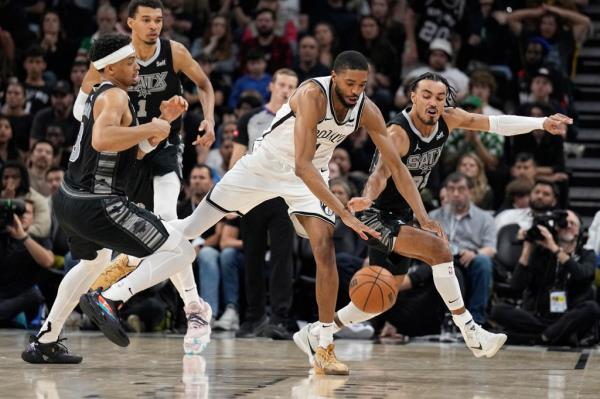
(436, 77)
(54, 169)
(108, 44)
(265, 10)
(518, 188)
(545, 182)
(24, 186)
(455, 177)
(524, 157)
(483, 78)
(134, 4)
(200, 166)
(43, 141)
(350, 60)
(345, 183)
(283, 71)
(16, 82)
(34, 51)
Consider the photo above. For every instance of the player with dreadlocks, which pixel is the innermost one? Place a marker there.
(419, 133)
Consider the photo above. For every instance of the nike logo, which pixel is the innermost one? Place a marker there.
(454, 300)
(477, 347)
(188, 290)
(131, 292)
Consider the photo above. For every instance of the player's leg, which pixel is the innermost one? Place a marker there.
(44, 346)
(320, 234)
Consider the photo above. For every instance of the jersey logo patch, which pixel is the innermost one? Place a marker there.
(417, 148)
(439, 136)
(326, 209)
(151, 83)
(161, 63)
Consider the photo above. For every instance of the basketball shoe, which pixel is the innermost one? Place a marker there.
(104, 313)
(307, 342)
(327, 363)
(481, 342)
(114, 271)
(53, 352)
(198, 331)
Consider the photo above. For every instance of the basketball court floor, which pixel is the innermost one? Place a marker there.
(154, 366)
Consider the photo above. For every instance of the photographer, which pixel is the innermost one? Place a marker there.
(555, 274)
(21, 260)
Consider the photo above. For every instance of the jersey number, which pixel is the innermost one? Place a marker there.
(421, 181)
(141, 111)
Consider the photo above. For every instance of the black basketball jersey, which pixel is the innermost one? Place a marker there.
(93, 171)
(157, 82)
(422, 156)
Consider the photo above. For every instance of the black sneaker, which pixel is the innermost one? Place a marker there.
(53, 352)
(103, 312)
(252, 328)
(276, 331)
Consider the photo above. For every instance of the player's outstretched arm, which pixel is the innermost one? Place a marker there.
(110, 112)
(183, 61)
(308, 104)
(505, 125)
(372, 120)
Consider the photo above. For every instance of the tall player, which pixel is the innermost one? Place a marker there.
(290, 161)
(91, 205)
(157, 178)
(419, 134)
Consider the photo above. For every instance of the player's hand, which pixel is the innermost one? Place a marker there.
(359, 227)
(208, 138)
(161, 127)
(433, 226)
(173, 108)
(155, 140)
(557, 124)
(358, 204)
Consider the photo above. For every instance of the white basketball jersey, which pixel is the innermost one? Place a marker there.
(278, 139)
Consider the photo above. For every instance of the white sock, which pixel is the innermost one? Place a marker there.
(174, 255)
(203, 218)
(446, 284)
(350, 314)
(462, 319)
(75, 283)
(326, 334)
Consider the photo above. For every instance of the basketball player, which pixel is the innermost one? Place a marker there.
(419, 134)
(94, 212)
(290, 161)
(156, 181)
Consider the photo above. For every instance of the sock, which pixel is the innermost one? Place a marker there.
(326, 335)
(185, 284)
(203, 218)
(174, 255)
(462, 319)
(446, 284)
(75, 283)
(350, 314)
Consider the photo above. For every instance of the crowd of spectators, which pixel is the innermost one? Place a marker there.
(501, 56)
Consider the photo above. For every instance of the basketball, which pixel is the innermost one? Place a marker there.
(373, 289)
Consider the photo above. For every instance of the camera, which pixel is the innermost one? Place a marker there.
(9, 208)
(551, 220)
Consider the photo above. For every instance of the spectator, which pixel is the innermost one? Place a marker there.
(308, 65)
(185, 22)
(342, 158)
(481, 194)
(255, 79)
(267, 222)
(231, 262)
(207, 245)
(56, 137)
(22, 256)
(15, 184)
(38, 91)
(276, 50)
(593, 241)
(439, 61)
(541, 90)
(285, 26)
(555, 275)
(524, 167)
(78, 71)
(42, 155)
(535, 52)
(517, 195)
(544, 197)
(58, 51)
(482, 85)
(217, 43)
(106, 20)
(16, 111)
(168, 29)
(8, 147)
(328, 43)
(340, 18)
(472, 238)
(391, 25)
(59, 114)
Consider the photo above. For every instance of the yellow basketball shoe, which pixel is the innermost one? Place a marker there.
(326, 362)
(116, 270)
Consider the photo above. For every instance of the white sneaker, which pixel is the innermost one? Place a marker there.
(198, 331)
(356, 331)
(307, 342)
(229, 321)
(481, 342)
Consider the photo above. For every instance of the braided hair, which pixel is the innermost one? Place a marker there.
(436, 77)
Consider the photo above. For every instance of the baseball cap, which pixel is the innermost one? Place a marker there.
(471, 101)
(61, 88)
(441, 44)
